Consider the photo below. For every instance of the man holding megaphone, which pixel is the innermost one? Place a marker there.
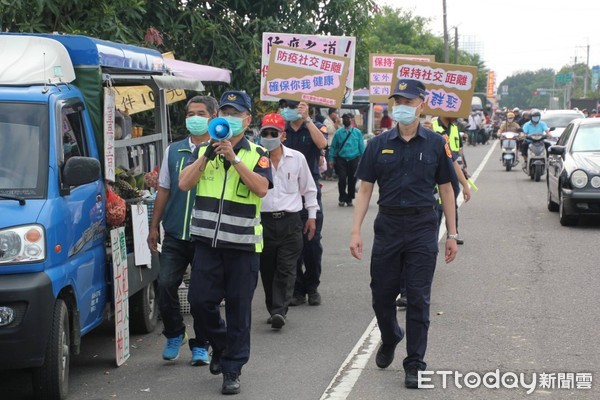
(227, 232)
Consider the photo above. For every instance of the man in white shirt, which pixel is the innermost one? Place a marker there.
(281, 221)
(473, 127)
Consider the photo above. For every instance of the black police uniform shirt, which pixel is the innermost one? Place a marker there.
(301, 141)
(407, 172)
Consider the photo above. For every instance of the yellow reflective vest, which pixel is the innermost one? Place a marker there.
(453, 137)
(226, 213)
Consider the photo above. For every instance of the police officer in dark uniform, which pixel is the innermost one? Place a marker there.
(307, 137)
(231, 177)
(406, 162)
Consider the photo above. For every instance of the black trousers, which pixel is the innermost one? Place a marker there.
(175, 257)
(308, 278)
(345, 170)
(232, 275)
(283, 245)
(405, 249)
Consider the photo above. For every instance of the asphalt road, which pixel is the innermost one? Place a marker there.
(521, 297)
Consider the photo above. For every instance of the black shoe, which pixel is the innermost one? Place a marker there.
(277, 321)
(341, 203)
(314, 299)
(385, 354)
(411, 378)
(297, 300)
(231, 383)
(215, 363)
(402, 302)
(269, 320)
(349, 204)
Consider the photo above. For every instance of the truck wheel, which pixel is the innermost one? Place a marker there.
(143, 310)
(51, 380)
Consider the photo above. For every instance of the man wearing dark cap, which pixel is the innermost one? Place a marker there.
(303, 135)
(226, 229)
(406, 162)
(283, 227)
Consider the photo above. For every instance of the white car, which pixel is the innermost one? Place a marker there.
(559, 119)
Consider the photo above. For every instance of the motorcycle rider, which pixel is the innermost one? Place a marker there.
(517, 113)
(536, 125)
(525, 117)
(509, 126)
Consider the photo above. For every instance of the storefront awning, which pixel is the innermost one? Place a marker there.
(200, 72)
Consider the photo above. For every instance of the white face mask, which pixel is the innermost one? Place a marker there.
(270, 143)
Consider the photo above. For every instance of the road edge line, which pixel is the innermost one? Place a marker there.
(347, 375)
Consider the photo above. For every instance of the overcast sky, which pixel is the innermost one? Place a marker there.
(518, 35)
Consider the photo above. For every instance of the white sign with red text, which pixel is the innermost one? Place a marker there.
(344, 46)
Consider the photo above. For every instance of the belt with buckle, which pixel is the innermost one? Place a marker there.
(404, 211)
(277, 214)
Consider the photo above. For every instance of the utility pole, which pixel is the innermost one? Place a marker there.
(456, 45)
(446, 49)
(587, 67)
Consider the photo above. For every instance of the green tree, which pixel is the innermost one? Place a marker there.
(398, 31)
(523, 86)
(222, 33)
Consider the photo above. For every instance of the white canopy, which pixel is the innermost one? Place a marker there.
(29, 60)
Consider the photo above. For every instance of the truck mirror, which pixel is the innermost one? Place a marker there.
(81, 170)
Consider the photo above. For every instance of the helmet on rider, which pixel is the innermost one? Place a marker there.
(536, 113)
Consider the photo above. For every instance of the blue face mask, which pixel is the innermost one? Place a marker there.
(197, 125)
(404, 114)
(290, 114)
(236, 125)
(535, 119)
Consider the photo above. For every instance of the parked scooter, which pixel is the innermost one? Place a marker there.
(508, 142)
(536, 157)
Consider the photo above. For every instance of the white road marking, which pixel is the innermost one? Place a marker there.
(344, 380)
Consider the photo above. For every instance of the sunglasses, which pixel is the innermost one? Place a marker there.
(269, 132)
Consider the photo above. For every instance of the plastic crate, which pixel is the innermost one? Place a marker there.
(184, 305)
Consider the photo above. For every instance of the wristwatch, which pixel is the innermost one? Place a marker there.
(236, 160)
(450, 236)
(308, 119)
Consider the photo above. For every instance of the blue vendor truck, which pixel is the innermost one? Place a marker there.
(55, 259)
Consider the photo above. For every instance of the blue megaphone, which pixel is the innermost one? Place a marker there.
(219, 129)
